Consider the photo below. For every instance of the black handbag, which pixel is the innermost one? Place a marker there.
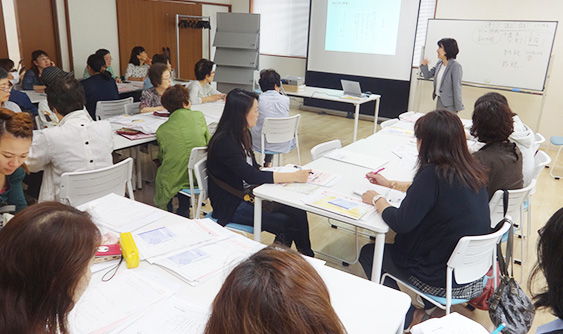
(509, 304)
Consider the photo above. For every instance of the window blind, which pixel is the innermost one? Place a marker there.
(284, 26)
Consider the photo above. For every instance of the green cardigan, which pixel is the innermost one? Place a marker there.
(184, 130)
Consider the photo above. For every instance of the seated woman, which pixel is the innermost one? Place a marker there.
(271, 104)
(16, 96)
(100, 86)
(161, 79)
(6, 92)
(138, 66)
(158, 59)
(522, 136)
(32, 78)
(550, 266)
(184, 130)
(232, 169)
(34, 297)
(446, 201)
(16, 133)
(107, 57)
(201, 90)
(270, 292)
(492, 125)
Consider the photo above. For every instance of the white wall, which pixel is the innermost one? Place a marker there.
(93, 25)
(550, 123)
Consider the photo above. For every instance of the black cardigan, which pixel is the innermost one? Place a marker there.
(227, 162)
(430, 221)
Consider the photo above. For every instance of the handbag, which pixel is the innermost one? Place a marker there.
(482, 301)
(247, 195)
(509, 304)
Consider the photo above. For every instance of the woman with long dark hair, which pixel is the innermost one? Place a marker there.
(233, 170)
(100, 86)
(274, 291)
(446, 201)
(138, 66)
(549, 264)
(45, 256)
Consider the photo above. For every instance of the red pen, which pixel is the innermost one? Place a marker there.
(379, 170)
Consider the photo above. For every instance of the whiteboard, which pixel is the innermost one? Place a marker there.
(513, 54)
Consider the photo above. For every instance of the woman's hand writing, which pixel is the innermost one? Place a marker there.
(378, 179)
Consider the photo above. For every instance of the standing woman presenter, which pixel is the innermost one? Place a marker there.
(447, 76)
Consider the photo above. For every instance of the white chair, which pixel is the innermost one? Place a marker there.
(132, 108)
(196, 155)
(212, 127)
(557, 141)
(80, 187)
(538, 140)
(388, 122)
(323, 148)
(471, 259)
(280, 130)
(107, 109)
(200, 171)
(515, 210)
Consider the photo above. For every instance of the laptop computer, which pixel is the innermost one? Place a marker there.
(351, 88)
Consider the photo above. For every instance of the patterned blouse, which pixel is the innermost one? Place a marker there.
(150, 98)
(136, 71)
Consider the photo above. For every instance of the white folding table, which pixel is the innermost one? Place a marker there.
(338, 96)
(378, 145)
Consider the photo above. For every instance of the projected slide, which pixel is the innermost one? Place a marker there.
(363, 26)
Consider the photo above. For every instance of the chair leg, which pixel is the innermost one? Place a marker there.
(555, 164)
(345, 262)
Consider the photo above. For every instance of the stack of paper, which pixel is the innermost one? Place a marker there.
(162, 241)
(108, 307)
(393, 197)
(198, 264)
(317, 177)
(453, 323)
(141, 122)
(356, 158)
(348, 206)
(120, 214)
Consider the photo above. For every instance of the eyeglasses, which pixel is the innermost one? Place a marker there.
(5, 89)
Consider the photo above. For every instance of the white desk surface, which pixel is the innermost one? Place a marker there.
(331, 95)
(378, 145)
(35, 97)
(211, 111)
(363, 306)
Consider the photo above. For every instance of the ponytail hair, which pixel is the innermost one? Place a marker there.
(98, 64)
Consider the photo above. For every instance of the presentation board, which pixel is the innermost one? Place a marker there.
(369, 38)
(512, 54)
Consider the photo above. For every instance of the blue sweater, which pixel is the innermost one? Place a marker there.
(22, 100)
(430, 221)
(97, 89)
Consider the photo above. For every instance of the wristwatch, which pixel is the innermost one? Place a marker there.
(375, 199)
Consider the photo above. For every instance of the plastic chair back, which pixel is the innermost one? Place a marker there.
(80, 187)
(196, 155)
(323, 148)
(212, 128)
(107, 109)
(132, 108)
(538, 140)
(200, 171)
(473, 256)
(280, 130)
(516, 200)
